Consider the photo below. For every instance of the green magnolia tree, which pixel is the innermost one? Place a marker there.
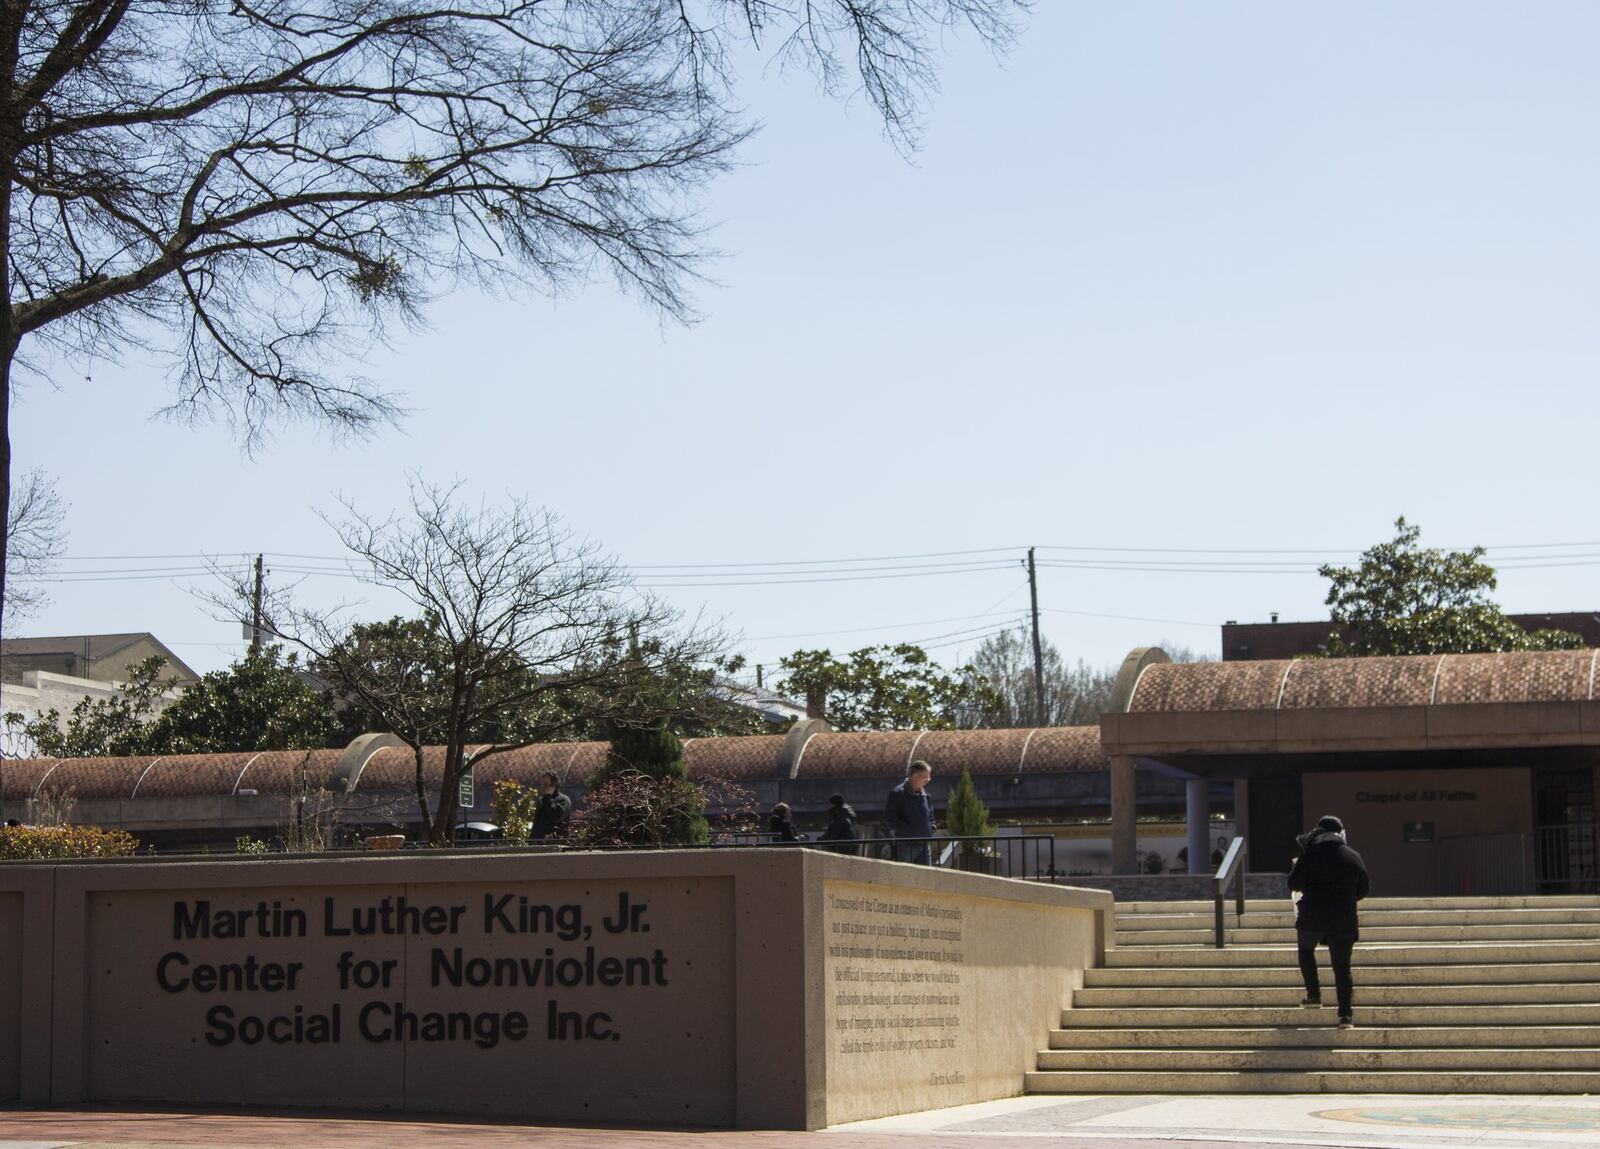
(261, 702)
(884, 688)
(1403, 598)
(264, 701)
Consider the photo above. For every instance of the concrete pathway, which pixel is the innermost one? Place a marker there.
(1123, 1122)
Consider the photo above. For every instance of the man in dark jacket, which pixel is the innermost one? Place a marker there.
(908, 813)
(554, 811)
(1331, 878)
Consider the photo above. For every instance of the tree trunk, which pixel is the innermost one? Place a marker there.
(422, 794)
(11, 16)
(449, 792)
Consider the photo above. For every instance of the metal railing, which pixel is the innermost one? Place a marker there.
(1027, 856)
(1565, 859)
(1482, 864)
(1231, 870)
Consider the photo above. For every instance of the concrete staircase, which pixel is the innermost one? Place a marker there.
(1453, 995)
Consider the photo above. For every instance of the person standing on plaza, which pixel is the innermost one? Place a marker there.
(781, 824)
(1331, 878)
(841, 829)
(554, 811)
(909, 814)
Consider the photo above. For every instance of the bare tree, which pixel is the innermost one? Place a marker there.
(271, 181)
(1003, 665)
(37, 535)
(524, 629)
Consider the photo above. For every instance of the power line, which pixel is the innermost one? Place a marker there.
(1127, 617)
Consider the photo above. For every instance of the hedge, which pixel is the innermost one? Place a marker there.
(47, 842)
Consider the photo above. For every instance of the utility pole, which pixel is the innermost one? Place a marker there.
(1038, 651)
(255, 612)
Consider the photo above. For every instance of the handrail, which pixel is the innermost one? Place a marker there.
(1232, 867)
(1014, 849)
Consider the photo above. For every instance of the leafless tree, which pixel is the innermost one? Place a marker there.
(1003, 665)
(521, 625)
(37, 535)
(256, 185)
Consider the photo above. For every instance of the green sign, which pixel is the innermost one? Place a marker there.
(466, 794)
(1419, 831)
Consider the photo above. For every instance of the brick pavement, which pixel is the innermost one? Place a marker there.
(125, 1129)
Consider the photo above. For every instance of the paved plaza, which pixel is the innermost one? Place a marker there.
(1122, 1122)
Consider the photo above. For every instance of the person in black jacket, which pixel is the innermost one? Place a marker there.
(554, 811)
(841, 829)
(781, 824)
(1331, 878)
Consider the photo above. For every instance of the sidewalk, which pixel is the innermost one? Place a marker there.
(1121, 1122)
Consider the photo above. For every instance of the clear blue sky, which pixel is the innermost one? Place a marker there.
(1233, 275)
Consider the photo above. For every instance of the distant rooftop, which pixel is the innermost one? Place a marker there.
(102, 657)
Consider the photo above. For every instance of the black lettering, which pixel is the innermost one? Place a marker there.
(495, 911)
(188, 924)
(219, 1018)
(174, 958)
(379, 1034)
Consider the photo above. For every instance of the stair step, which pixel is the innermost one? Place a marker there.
(1289, 975)
(1230, 997)
(1453, 995)
(1326, 1035)
(1284, 918)
(1208, 955)
(1256, 1016)
(1438, 934)
(1370, 1059)
(1507, 902)
(1266, 1081)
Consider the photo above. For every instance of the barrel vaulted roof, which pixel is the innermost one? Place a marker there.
(1353, 683)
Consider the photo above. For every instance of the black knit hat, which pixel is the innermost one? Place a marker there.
(836, 799)
(1329, 822)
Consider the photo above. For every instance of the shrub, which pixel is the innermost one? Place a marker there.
(631, 808)
(35, 843)
(514, 808)
(967, 816)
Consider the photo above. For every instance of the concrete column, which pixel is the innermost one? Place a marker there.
(1241, 813)
(1197, 807)
(1124, 816)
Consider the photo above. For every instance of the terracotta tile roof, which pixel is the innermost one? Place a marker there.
(20, 778)
(1416, 680)
(1171, 686)
(744, 758)
(1521, 676)
(981, 751)
(1065, 749)
(188, 775)
(91, 778)
(288, 771)
(858, 755)
(572, 762)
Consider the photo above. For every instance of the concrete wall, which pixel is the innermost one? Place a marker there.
(10, 996)
(1453, 804)
(41, 691)
(682, 987)
(930, 992)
